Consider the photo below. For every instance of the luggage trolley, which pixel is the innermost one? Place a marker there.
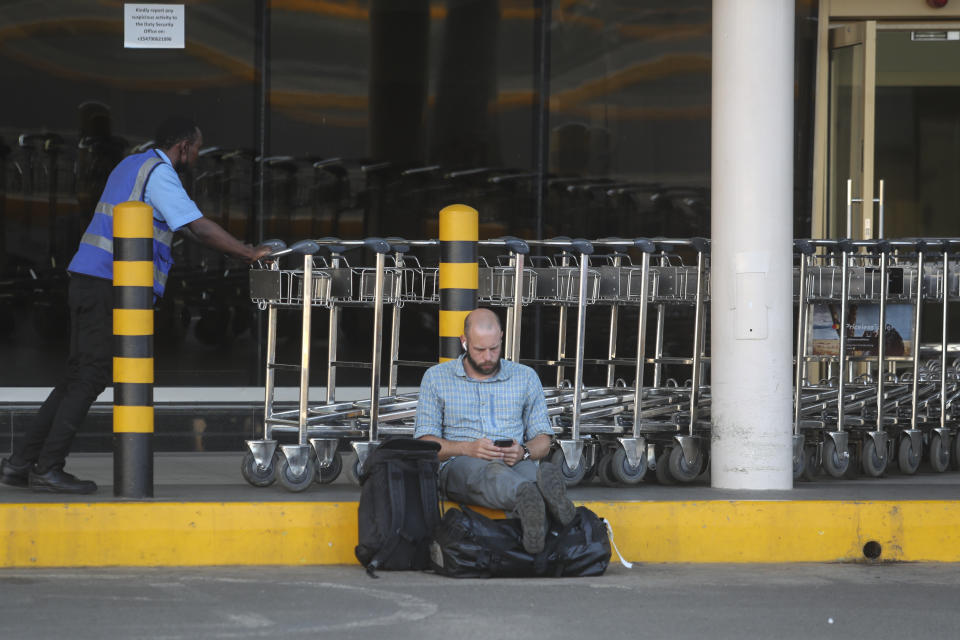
(657, 412)
(621, 456)
(570, 282)
(314, 457)
(866, 411)
(834, 275)
(674, 419)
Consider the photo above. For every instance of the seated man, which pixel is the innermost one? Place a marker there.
(469, 404)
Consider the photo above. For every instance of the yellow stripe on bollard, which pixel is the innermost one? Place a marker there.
(463, 275)
(132, 419)
(139, 370)
(133, 322)
(133, 274)
(133, 220)
(451, 323)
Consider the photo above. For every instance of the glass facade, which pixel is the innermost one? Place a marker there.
(348, 118)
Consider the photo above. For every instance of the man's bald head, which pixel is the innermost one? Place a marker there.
(481, 320)
(482, 342)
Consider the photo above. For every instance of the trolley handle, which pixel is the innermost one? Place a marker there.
(516, 245)
(582, 246)
(845, 245)
(378, 245)
(399, 245)
(803, 246)
(645, 245)
(617, 244)
(305, 248)
(941, 245)
(275, 247)
(332, 244)
(702, 245)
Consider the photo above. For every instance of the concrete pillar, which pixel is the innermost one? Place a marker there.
(752, 223)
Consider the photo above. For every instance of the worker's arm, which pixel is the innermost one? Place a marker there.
(208, 232)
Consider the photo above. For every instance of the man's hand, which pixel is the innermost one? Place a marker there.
(483, 449)
(512, 454)
(486, 450)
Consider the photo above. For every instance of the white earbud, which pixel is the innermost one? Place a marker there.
(463, 344)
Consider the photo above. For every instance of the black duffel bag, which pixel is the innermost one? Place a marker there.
(467, 544)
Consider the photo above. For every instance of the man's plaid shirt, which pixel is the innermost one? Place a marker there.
(455, 406)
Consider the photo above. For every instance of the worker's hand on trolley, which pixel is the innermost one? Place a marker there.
(257, 252)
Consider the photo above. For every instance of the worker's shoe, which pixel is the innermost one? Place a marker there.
(56, 480)
(554, 490)
(533, 517)
(15, 475)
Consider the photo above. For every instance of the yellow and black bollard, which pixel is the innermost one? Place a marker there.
(133, 350)
(458, 275)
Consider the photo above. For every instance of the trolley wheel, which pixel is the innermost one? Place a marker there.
(683, 470)
(294, 482)
(811, 468)
(955, 450)
(571, 477)
(907, 458)
(326, 475)
(937, 454)
(621, 470)
(353, 472)
(873, 465)
(604, 470)
(835, 462)
(255, 474)
(662, 472)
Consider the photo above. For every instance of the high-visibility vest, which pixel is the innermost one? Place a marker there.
(127, 182)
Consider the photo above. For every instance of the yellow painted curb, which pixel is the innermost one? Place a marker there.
(292, 533)
(177, 534)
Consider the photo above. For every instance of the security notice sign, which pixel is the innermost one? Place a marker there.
(153, 26)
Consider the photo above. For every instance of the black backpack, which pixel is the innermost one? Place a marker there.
(399, 507)
(467, 544)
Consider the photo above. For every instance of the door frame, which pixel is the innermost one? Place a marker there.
(874, 15)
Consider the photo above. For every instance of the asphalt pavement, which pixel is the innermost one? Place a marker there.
(802, 601)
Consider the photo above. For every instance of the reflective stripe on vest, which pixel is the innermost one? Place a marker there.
(95, 254)
(163, 236)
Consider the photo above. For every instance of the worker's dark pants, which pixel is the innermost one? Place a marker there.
(89, 370)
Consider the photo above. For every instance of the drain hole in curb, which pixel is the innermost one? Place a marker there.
(872, 550)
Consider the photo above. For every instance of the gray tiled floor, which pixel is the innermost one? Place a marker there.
(216, 477)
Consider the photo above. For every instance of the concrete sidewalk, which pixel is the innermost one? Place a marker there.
(202, 477)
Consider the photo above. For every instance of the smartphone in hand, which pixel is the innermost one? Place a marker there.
(503, 442)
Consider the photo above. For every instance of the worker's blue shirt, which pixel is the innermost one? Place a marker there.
(166, 195)
(454, 406)
(148, 177)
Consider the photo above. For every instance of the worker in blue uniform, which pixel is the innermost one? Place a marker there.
(37, 459)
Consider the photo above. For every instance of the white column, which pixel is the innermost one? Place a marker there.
(751, 307)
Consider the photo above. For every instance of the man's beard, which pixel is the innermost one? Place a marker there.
(488, 370)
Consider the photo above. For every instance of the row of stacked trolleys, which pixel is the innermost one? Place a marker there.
(869, 396)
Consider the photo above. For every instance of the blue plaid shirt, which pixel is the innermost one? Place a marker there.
(454, 406)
